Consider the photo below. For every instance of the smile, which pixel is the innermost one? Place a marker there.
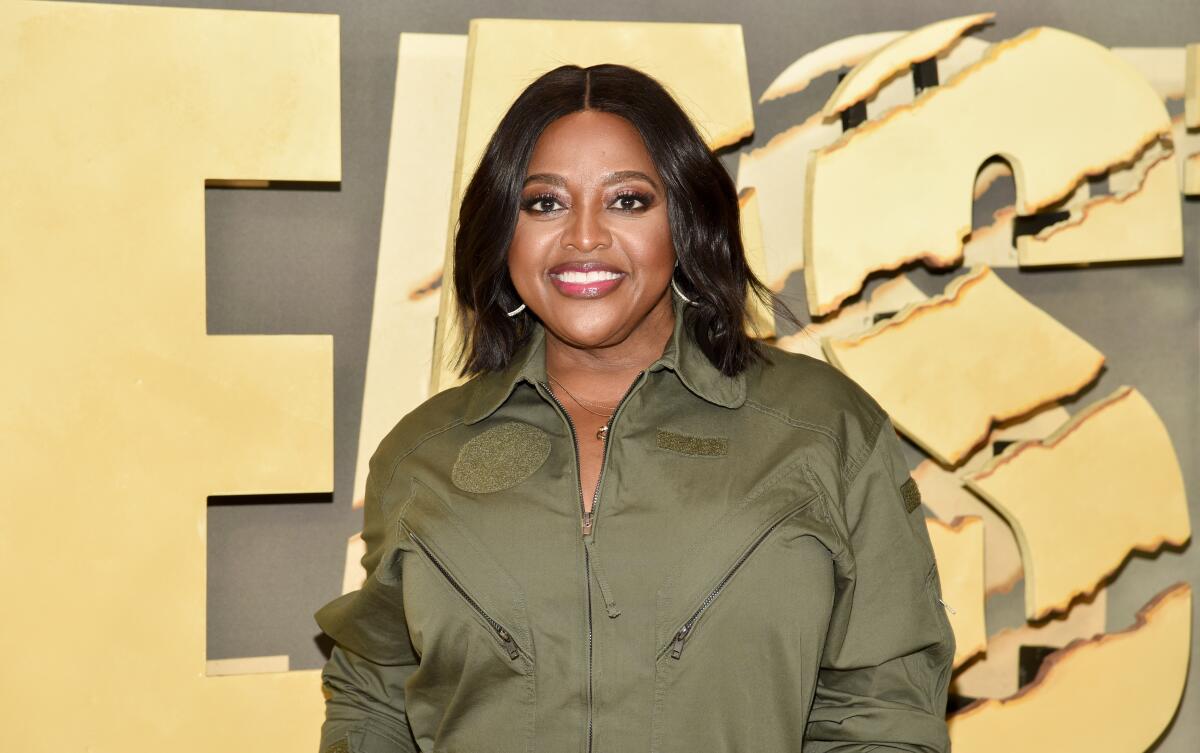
(587, 280)
(581, 277)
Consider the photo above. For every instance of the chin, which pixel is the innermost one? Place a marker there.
(589, 329)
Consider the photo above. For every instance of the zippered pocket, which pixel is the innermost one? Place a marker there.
(688, 628)
(501, 633)
(434, 532)
(468, 616)
(740, 624)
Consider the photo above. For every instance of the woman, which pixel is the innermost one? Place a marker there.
(635, 528)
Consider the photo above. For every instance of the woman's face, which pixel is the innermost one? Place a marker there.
(592, 253)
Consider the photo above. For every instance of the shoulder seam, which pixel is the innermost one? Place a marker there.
(797, 423)
(850, 473)
(420, 441)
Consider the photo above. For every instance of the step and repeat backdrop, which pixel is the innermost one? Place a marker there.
(224, 277)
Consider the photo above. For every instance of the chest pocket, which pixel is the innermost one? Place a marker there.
(739, 622)
(468, 618)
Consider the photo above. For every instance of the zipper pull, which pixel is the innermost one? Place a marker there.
(610, 601)
(587, 522)
(677, 648)
(947, 606)
(509, 643)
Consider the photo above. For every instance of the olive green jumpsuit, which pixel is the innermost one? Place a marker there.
(755, 576)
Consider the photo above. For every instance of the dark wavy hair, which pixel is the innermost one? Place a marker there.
(702, 206)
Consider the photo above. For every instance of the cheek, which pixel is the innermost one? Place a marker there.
(523, 256)
(651, 251)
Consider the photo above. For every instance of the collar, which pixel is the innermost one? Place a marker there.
(682, 356)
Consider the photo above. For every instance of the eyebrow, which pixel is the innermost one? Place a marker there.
(614, 177)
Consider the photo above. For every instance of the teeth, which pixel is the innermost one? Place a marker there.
(586, 277)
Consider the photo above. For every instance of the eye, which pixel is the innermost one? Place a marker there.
(625, 200)
(537, 203)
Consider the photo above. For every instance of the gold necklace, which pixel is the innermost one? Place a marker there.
(602, 432)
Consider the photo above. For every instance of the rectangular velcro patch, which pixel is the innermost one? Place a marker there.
(688, 445)
(911, 494)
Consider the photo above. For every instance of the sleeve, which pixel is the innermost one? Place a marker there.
(372, 658)
(885, 666)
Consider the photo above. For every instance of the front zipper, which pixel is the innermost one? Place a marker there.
(685, 632)
(587, 516)
(505, 637)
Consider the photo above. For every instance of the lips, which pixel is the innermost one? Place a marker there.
(585, 279)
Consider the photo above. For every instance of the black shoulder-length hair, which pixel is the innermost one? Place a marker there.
(702, 206)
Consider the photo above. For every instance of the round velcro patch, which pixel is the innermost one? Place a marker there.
(500, 458)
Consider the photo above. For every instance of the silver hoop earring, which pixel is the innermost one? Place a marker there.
(678, 292)
(516, 311)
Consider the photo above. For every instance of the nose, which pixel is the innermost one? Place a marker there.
(586, 229)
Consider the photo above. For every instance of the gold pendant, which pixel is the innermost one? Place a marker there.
(602, 433)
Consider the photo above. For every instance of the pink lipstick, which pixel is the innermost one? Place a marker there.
(590, 279)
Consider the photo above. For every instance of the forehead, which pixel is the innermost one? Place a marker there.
(588, 142)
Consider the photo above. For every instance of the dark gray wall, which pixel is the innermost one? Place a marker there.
(303, 261)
